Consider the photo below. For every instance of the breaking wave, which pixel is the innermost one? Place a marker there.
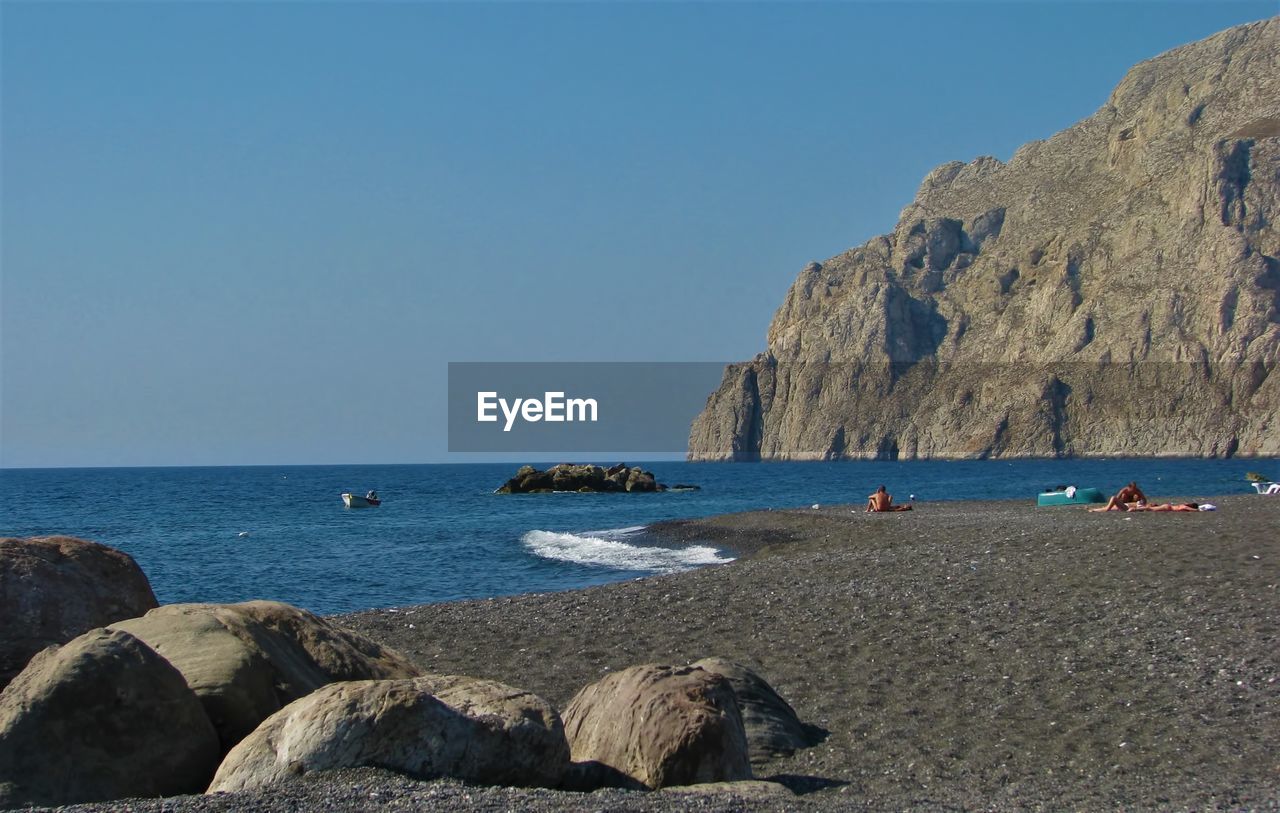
(610, 549)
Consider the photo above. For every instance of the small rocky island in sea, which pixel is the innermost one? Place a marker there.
(586, 479)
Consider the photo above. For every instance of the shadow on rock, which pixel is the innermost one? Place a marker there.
(591, 775)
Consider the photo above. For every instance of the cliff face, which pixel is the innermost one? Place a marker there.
(1114, 290)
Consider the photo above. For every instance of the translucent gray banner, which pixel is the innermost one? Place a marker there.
(576, 406)
(770, 409)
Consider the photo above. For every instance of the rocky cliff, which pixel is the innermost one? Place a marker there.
(1113, 290)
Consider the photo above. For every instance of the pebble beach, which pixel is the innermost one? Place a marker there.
(962, 656)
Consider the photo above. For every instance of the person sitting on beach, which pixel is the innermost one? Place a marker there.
(1125, 499)
(882, 502)
(1130, 493)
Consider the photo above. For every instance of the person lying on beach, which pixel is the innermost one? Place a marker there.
(1117, 504)
(1184, 506)
(1142, 506)
(882, 502)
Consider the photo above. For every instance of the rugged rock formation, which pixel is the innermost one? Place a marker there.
(583, 478)
(433, 726)
(1114, 290)
(246, 661)
(53, 588)
(102, 717)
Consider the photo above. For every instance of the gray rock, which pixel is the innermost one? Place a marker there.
(641, 481)
(53, 588)
(522, 740)
(773, 728)
(246, 661)
(580, 478)
(660, 726)
(102, 717)
(434, 726)
(1111, 291)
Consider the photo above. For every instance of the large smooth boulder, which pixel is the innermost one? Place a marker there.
(661, 726)
(772, 726)
(433, 726)
(247, 661)
(102, 717)
(53, 588)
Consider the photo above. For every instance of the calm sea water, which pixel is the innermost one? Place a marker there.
(281, 532)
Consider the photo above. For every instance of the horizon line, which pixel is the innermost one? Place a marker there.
(640, 459)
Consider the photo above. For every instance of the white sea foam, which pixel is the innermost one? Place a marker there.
(607, 549)
(614, 533)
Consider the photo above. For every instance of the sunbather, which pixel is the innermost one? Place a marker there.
(1113, 505)
(1183, 506)
(882, 502)
(1116, 504)
(1131, 493)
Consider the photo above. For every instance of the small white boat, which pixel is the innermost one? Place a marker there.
(369, 500)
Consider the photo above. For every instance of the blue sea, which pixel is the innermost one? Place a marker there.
(281, 532)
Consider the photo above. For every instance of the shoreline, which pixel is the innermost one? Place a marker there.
(744, 534)
(965, 655)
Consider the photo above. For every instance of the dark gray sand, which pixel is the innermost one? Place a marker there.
(961, 656)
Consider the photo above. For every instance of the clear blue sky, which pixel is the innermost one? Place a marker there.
(256, 233)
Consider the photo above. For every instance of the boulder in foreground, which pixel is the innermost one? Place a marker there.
(661, 726)
(246, 661)
(57, 587)
(433, 726)
(102, 717)
(772, 726)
